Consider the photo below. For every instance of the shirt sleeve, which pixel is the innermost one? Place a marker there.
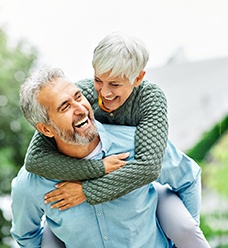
(25, 211)
(184, 177)
(150, 139)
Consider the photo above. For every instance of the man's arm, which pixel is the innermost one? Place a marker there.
(26, 218)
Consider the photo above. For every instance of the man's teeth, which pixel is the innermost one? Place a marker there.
(81, 123)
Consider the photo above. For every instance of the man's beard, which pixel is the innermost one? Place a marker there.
(73, 138)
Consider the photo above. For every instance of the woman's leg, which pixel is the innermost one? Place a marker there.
(176, 221)
(49, 240)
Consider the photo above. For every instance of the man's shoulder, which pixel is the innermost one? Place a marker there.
(26, 178)
(29, 183)
(20, 182)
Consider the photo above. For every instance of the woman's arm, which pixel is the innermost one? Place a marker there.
(43, 159)
(151, 141)
(151, 137)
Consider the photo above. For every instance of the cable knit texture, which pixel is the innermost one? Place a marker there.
(146, 108)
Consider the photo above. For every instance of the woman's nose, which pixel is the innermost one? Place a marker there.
(105, 91)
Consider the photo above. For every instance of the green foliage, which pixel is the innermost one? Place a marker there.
(207, 230)
(211, 153)
(5, 226)
(16, 63)
(15, 133)
(200, 150)
(217, 170)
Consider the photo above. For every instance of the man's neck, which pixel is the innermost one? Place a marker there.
(77, 151)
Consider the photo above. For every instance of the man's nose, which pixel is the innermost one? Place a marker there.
(78, 108)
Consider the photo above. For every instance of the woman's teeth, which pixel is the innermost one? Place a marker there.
(109, 98)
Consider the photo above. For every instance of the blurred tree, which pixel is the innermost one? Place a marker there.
(15, 65)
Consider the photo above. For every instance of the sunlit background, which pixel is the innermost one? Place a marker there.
(67, 31)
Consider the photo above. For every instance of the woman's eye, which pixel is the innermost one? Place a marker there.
(115, 85)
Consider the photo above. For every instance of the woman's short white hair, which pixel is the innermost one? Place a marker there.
(30, 107)
(120, 55)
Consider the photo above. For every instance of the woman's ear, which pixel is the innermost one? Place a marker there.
(139, 78)
(44, 129)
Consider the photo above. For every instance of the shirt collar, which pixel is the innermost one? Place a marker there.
(104, 138)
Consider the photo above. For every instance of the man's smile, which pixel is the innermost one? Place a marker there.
(81, 123)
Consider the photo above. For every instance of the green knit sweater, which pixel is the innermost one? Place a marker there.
(146, 108)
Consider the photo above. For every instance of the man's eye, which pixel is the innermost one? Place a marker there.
(65, 107)
(78, 97)
(97, 80)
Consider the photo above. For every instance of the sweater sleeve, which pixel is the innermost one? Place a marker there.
(151, 141)
(151, 136)
(43, 159)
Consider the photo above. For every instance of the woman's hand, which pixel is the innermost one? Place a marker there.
(67, 195)
(114, 162)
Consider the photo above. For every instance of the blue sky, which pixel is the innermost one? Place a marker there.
(66, 31)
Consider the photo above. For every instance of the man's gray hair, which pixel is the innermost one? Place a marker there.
(29, 105)
(121, 55)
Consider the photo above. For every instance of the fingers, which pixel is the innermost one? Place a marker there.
(68, 203)
(53, 195)
(63, 204)
(59, 204)
(48, 199)
(67, 194)
(123, 155)
(61, 184)
(114, 162)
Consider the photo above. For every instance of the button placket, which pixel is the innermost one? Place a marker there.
(102, 225)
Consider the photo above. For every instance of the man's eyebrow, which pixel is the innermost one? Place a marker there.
(64, 102)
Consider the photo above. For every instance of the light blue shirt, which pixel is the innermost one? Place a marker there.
(127, 222)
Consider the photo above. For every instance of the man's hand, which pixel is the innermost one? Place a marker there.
(67, 195)
(114, 162)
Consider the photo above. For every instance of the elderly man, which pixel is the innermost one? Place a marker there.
(58, 109)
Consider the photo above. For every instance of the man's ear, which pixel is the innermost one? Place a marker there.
(139, 78)
(44, 129)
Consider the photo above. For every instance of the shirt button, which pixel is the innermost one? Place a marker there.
(105, 237)
(111, 114)
(99, 213)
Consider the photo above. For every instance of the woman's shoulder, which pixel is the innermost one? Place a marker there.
(147, 88)
(88, 90)
(86, 83)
